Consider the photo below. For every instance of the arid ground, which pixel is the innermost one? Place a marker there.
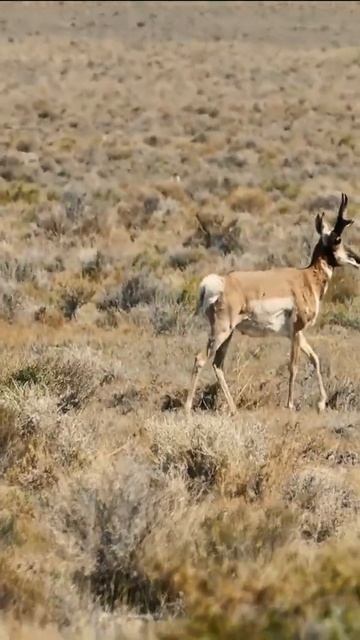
(142, 146)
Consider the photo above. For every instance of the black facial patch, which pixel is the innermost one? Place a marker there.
(328, 253)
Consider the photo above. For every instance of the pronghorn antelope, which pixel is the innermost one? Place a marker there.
(281, 301)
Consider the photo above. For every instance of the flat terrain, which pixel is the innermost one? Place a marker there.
(142, 146)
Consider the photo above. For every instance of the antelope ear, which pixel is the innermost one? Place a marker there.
(319, 223)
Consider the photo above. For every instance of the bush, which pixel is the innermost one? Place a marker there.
(10, 301)
(248, 200)
(225, 238)
(343, 288)
(112, 524)
(73, 296)
(138, 289)
(93, 265)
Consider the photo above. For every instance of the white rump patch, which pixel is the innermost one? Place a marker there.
(210, 289)
(268, 316)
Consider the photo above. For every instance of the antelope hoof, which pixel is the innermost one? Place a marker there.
(290, 406)
(321, 405)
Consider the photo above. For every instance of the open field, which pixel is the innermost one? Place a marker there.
(120, 518)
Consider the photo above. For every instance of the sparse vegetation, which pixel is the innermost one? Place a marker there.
(144, 145)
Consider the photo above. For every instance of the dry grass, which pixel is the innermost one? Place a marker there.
(143, 145)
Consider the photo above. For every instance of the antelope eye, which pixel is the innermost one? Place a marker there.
(337, 240)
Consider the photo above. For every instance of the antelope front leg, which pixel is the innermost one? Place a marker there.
(218, 366)
(306, 348)
(199, 362)
(293, 368)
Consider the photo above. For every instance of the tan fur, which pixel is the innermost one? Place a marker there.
(282, 301)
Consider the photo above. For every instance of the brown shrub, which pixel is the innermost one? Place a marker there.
(249, 200)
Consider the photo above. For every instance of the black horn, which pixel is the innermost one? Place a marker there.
(341, 223)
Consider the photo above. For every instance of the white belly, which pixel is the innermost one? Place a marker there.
(268, 317)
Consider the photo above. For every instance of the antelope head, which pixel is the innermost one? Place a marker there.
(331, 244)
